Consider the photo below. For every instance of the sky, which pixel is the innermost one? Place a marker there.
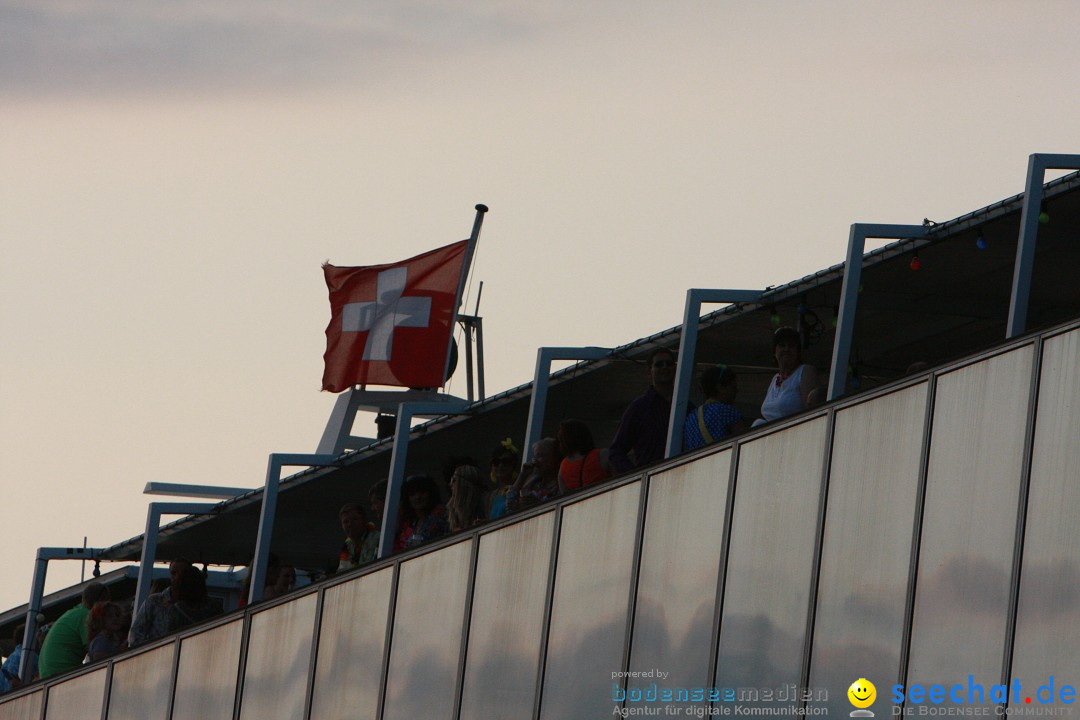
(173, 175)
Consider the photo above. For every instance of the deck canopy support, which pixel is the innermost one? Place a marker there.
(684, 366)
(37, 592)
(849, 294)
(541, 377)
(1030, 216)
(399, 456)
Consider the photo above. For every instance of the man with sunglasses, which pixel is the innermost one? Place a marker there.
(642, 432)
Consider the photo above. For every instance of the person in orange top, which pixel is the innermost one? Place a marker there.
(583, 463)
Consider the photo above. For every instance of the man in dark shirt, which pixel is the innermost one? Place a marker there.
(643, 430)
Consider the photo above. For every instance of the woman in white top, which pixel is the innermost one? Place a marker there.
(790, 389)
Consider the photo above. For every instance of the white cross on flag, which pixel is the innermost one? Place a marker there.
(391, 324)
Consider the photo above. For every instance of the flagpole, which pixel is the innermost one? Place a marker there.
(470, 249)
(477, 223)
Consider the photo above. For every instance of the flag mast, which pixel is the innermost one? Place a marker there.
(470, 249)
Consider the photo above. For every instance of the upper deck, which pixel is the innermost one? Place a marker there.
(916, 530)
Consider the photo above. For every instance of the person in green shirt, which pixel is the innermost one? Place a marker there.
(65, 644)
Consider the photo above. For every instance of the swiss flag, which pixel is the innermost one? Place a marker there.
(391, 324)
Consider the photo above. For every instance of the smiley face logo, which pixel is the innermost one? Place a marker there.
(862, 693)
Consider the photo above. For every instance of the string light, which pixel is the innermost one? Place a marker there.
(774, 316)
(1044, 217)
(916, 264)
(980, 241)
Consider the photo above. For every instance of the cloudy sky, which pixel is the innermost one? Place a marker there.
(174, 174)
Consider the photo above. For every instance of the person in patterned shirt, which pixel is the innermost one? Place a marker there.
(717, 418)
(423, 516)
(361, 538)
(152, 618)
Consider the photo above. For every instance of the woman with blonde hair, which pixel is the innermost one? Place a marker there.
(466, 504)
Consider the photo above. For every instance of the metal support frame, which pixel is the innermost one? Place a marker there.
(635, 574)
(1038, 164)
(819, 543)
(173, 673)
(479, 323)
(849, 294)
(269, 509)
(722, 566)
(474, 328)
(549, 603)
(313, 656)
(684, 366)
(398, 457)
(241, 665)
(1037, 353)
(37, 592)
(106, 697)
(466, 625)
(216, 492)
(388, 639)
(337, 437)
(541, 378)
(150, 538)
(469, 394)
(917, 527)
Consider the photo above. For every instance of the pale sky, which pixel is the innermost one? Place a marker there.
(174, 174)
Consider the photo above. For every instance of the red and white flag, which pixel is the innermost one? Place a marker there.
(391, 324)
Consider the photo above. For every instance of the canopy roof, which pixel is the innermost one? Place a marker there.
(956, 304)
